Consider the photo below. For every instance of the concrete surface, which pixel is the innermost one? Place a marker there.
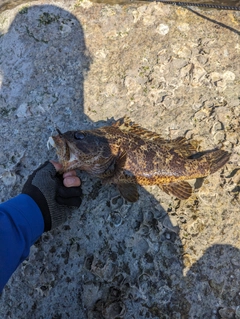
(75, 64)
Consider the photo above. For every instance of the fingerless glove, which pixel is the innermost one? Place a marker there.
(46, 188)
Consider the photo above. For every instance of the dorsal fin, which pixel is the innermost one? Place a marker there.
(126, 125)
(180, 144)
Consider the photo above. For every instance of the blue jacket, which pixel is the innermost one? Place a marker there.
(21, 224)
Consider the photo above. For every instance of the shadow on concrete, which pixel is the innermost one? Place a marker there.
(42, 86)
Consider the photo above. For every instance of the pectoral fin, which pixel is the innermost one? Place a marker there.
(128, 191)
(120, 162)
(115, 170)
(182, 189)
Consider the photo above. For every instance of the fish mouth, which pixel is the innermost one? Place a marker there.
(51, 139)
(66, 156)
(62, 149)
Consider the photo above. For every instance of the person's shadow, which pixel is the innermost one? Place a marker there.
(111, 259)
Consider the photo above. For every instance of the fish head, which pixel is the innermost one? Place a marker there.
(84, 150)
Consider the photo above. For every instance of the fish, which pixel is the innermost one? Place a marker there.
(127, 155)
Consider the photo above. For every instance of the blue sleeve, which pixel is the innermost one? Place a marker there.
(21, 224)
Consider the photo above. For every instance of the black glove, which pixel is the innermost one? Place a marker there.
(46, 188)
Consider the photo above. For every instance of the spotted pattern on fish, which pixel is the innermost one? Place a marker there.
(126, 154)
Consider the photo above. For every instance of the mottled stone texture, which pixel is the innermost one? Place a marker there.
(75, 65)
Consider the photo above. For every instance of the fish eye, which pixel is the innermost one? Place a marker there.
(79, 135)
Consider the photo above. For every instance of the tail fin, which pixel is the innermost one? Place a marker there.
(217, 159)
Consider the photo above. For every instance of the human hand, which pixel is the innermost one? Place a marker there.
(53, 192)
(70, 178)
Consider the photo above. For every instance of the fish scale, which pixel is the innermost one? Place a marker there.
(126, 154)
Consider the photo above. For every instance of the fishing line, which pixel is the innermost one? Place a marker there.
(203, 5)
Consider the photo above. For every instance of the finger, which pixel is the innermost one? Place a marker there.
(71, 181)
(70, 173)
(57, 165)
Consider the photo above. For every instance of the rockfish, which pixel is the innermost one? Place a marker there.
(126, 154)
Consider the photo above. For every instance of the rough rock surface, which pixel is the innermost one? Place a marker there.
(172, 70)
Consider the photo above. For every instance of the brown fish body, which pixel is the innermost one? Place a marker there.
(126, 154)
(153, 163)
